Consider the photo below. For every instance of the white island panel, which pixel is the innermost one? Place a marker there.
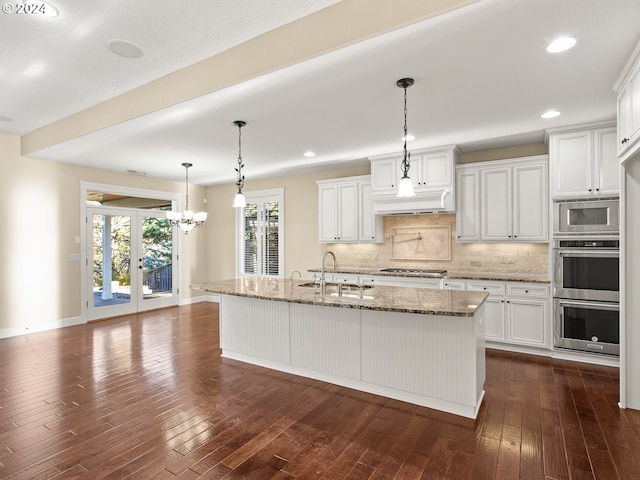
(427, 355)
(255, 327)
(326, 339)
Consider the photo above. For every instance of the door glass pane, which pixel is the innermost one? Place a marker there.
(591, 273)
(111, 259)
(156, 260)
(250, 239)
(589, 216)
(271, 245)
(591, 324)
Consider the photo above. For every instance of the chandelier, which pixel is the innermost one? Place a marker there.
(405, 187)
(188, 219)
(239, 201)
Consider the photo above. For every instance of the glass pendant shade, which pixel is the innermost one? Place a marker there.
(405, 188)
(239, 201)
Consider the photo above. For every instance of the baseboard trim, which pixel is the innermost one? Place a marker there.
(65, 322)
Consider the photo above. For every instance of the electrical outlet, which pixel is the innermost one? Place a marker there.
(503, 259)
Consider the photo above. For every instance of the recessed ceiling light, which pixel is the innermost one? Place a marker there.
(124, 48)
(409, 137)
(550, 114)
(4, 118)
(561, 44)
(309, 154)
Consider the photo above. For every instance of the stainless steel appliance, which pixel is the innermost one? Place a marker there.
(586, 217)
(586, 269)
(586, 291)
(587, 326)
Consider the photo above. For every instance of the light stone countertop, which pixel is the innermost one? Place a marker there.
(393, 299)
(451, 274)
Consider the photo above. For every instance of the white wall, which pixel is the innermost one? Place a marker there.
(39, 223)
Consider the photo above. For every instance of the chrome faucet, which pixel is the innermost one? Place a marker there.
(323, 282)
(294, 272)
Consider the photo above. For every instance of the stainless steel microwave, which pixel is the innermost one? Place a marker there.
(589, 217)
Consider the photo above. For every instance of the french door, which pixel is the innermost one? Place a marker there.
(131, 261)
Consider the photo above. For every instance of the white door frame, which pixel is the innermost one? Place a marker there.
(85, 187)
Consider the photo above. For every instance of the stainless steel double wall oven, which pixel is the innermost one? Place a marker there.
(586, 276)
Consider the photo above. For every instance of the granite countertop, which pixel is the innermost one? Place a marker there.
(451, 274)
(392, 299)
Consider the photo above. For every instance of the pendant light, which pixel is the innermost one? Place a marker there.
(405, 187)
(188, 219)
(239, 201)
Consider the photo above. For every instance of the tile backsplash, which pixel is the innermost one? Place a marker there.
(531, 258)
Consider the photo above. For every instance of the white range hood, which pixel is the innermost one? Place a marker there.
(436, 201)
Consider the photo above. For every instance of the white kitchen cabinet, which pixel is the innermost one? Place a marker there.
(516, 313)
(527, 322)
(530, 196)
(345, 278)
(511, 203)
(468, 205)
(409, 282)
(344, 211)
(495, 204)
(584, 162)
(385, 174)
(628, 89)
(370, 226)
(528, 315)
(454, 284)
(495, 329)
(431, 170)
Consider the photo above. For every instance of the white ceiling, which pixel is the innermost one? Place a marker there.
(482, 80)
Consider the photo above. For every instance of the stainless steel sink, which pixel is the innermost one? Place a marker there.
(351, 290)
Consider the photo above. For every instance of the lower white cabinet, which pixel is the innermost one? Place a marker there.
(409, 282)
(516, 313)
(453, 284)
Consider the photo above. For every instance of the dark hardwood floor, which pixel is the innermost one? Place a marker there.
(148, 396)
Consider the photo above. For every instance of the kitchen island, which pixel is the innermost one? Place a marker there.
(418, 345)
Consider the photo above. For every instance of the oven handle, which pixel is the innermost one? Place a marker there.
(588, 304)
(588, 253)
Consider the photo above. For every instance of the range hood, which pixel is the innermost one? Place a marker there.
(435, 201)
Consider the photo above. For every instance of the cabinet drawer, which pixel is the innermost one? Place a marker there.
(528, 291)
(344, 278)
(454, 285)
(366, 280)
(492, 288)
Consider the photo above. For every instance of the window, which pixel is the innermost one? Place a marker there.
(260, 234)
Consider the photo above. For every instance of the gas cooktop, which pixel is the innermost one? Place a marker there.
(416, 271)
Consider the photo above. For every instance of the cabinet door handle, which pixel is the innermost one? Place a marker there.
(591, 189)
(624, 140)
(597, 189)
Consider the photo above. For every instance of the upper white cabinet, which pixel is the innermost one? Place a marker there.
(432, 172)
(628, 89)
(584, 162)
(344, 211)
(468, 203)
(369, 225)
(503, 200)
